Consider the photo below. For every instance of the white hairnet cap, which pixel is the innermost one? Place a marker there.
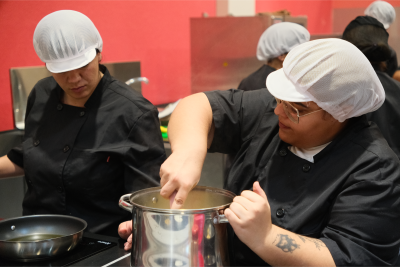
(382, 11)
(279, 39)
(334, 74)
(66, 40)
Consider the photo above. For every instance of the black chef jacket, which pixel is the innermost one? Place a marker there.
(387, 117)
(80, 161)
(349, 198)
(391, 63)
(256, 80)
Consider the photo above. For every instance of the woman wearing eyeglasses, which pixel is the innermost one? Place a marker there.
(325, 184)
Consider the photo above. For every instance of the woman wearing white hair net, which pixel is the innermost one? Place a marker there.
(88, 138)
(272, 48)
(385, 14)
(325, 184)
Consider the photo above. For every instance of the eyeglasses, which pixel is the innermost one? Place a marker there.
(292, 112)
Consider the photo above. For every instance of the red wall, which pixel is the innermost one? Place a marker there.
(358, 3)
(319, 12)
(156, 33)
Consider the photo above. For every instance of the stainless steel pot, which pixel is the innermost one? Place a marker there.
(193, 236)
(39, 237)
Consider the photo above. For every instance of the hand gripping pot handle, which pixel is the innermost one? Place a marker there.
(220, 218)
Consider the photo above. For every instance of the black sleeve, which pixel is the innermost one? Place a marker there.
(237, 115)
(16, 156)
(16, 153)
(144, 153)
(242, 85)
(363, 228)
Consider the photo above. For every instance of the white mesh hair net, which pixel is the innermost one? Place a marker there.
(66, 40)
(382, 11)
(337, 76)
(279, 39)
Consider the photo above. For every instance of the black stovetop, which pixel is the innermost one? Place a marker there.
(86, 248)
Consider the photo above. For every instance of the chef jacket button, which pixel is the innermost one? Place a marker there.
(59, 107)
(82, 113)
(283, 152)
(30, 181)
(66, 148)
(60, 189)
(36, 143)
(306, 167)
(280, 213)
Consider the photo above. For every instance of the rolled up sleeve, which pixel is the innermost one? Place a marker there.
(236, 116)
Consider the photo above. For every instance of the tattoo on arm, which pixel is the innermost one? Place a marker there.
(318, 243)
(302, 238)
(286, 243)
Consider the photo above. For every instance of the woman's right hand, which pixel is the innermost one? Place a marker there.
(182, 170)
(180, 173)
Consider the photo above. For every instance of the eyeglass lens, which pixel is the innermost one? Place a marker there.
(289, 110)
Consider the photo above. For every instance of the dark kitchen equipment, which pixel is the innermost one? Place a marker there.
(39, 237)
(85, 249)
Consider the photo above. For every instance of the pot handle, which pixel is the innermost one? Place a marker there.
(124, 204)
(220, 218)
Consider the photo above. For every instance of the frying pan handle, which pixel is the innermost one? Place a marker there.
(124, 204)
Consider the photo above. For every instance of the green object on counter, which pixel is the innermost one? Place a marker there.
(164, 135)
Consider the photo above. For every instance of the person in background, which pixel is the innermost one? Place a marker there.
(325, 182)
(371, 37)
(385, 14)
(272, 48)
(89, 138)
(382, 11)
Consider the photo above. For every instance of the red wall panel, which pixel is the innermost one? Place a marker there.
(358, 3)
(156, 33)
(319, 12)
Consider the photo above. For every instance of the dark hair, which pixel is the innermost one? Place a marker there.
(371, 38)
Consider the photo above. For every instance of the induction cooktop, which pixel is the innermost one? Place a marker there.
(86, 248)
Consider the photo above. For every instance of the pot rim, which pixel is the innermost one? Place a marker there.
(183, 211)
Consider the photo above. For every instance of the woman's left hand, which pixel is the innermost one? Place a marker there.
(125, 232)
(250, 217)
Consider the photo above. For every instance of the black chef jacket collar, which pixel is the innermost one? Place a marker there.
(95, 99)
(354, 125)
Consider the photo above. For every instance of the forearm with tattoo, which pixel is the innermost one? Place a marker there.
(284, 248)
(318, 243)
(288, 244)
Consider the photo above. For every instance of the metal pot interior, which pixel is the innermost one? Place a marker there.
(200, 198)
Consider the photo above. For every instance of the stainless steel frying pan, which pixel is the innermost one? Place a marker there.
(39, 237)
